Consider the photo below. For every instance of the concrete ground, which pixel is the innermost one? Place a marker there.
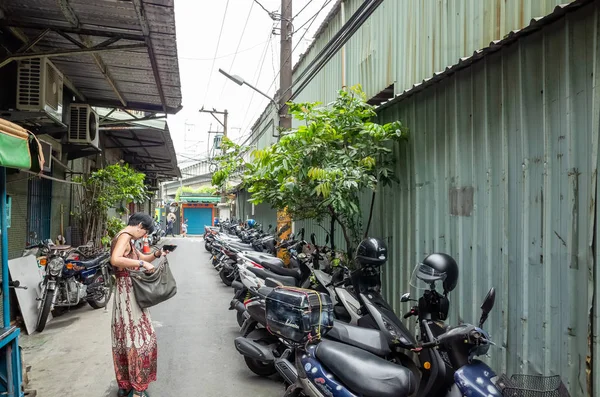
(195, 331)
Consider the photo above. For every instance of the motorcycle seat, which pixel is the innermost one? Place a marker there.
(264, 274)
(264, 291)
(364, 373)
(93, 262)
(239, 246)
(59, 247)
(371, 340)
(275, 265)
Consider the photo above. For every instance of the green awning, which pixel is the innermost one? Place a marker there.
(19, 148)
(200, 199)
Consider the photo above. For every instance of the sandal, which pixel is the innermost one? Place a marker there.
(124, 392)
(135, 393)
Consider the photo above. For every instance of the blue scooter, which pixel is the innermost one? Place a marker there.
(329, 368)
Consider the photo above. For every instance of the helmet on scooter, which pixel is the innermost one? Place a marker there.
(434, 269)
(371, 251)
(251, 223)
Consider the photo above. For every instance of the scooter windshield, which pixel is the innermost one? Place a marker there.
(426, 278)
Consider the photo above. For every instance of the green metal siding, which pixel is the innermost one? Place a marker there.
(518, 129)
(406, 41)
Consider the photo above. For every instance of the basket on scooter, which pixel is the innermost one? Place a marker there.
(532, 386)
(298, 315)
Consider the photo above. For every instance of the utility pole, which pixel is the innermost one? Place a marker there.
(285, 75)
(213, 113)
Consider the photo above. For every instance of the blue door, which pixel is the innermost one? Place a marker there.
(197, 219)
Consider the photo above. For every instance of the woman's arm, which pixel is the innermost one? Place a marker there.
(150, 257)
(117, 257)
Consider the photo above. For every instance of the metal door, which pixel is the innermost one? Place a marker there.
(39, 207)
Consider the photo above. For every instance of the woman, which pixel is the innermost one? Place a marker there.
(133, 338)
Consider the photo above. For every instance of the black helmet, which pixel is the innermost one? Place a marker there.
(435, 268)
(371, 251)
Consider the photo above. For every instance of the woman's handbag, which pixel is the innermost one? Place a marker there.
(153, 288)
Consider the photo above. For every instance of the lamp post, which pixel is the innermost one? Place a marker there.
(240, 81)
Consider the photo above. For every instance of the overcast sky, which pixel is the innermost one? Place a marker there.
(247, 47)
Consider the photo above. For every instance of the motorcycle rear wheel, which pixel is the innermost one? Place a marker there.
(44, 310)
(258, 367)
(226, 277)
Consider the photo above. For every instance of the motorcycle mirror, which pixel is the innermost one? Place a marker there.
(312, 239)
(405, 297)
(487, 305)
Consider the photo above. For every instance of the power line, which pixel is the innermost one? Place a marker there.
(263, 7)
(303, 8)
(314, 16)
(256, 78)
(312, 20)
(224, 56)
(237, 48)
(216, 51)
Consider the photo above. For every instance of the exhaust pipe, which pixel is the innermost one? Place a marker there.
(253, 350)
(239, 306)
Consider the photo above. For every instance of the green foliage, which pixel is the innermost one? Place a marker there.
(319, 169)
(109, 187)
(230, 164)
(113, 226)
(200, 190)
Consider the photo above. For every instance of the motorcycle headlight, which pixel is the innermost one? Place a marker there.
(55, 266)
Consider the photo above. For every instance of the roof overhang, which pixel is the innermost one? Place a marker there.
(120, 54)
(145, 142)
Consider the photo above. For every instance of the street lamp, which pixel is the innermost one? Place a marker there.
(240, 81)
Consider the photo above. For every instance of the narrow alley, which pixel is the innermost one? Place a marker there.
(195, 339)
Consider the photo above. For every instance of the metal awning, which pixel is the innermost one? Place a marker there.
(113, 53)
(200, 199)
(146, 143)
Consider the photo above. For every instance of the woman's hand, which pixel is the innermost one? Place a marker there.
(149, 267)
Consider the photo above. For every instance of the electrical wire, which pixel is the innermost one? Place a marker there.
(237, 48)
(311, 20)
(256, 78)
(334, 45)
(216, 51)
(224, 56)
(303, 8)
(263, 7)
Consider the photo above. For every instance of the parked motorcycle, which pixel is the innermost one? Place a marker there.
(69, 280)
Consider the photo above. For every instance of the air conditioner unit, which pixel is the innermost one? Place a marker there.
(83, 128)
(40, 87)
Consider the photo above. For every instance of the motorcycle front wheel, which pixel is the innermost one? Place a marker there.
(47, 298)
(226, 276)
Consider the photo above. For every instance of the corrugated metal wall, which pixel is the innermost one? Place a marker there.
(500, 172)
(263, 213)
(406, 41)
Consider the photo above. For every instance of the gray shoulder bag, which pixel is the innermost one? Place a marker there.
(153, 288)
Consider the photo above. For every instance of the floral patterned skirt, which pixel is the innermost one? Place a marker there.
(133, 340)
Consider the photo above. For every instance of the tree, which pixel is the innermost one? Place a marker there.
(319, 169)
(103, 189)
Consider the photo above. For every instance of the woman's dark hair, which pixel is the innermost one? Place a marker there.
(144, 219)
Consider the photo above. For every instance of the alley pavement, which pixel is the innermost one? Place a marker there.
(196, 355)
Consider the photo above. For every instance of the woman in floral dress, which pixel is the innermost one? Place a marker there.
(133, 338)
